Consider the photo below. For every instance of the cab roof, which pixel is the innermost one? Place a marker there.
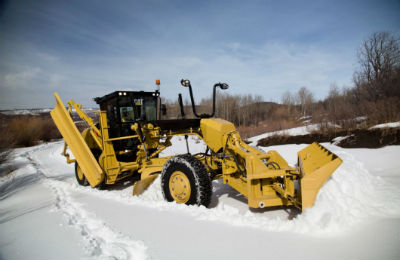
(135, 94)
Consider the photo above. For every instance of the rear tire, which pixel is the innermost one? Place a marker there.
(184, 179)
(96, 153)
(80, 176)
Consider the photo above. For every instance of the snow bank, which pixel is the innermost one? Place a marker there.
(338, 139)
(387, 125)
(302, 130)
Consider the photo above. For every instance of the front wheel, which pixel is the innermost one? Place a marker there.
(184, 179)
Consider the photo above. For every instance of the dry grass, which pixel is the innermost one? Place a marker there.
(22, 131)
(26, 131)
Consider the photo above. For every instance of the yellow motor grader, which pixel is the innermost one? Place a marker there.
(127, 141)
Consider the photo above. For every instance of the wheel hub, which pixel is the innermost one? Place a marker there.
(179, 187)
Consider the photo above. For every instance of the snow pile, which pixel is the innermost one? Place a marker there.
(352, 195)
(387, 125)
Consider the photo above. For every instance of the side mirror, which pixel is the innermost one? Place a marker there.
(224, 86)
(163, 109)
(221, 85)
(185, 82)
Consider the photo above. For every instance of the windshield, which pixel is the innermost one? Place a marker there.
(132, 109)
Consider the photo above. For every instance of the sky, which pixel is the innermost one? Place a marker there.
(86, 49)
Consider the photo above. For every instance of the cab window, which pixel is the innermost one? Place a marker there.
(127, 114)
(149, 109)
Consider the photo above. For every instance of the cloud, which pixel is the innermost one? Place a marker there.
(83, 49)
(56, 80)
(46, 57)
(22, 78)
(267, 70)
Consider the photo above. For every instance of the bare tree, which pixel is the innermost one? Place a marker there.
(289, 100)
(305, 99)
(333, 101)
(379, 60)
(333, 97)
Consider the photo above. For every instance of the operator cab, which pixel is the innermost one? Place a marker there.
(125, 108)
(129, 106)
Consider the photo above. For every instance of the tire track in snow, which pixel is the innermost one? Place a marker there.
(99, 239)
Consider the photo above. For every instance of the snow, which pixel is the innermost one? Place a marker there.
(98, 238)
(338, 139)
(387, 125)
(26, 111)
(36, 111)
(45, 214)
(301, 130)
(360, 118)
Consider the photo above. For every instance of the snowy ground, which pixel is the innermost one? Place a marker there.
(44, 214)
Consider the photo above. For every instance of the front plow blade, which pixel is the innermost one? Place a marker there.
(141, 185)
(316, 164)
(147, 177)
(77, 145)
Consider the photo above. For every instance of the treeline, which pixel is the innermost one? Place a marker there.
(239, 109)
(376, 91)
(374, 98)
(250, 114)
